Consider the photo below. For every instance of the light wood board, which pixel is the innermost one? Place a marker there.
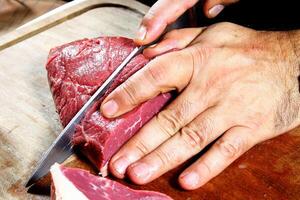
(28, 121)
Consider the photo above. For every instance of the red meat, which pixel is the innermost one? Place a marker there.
(78, 184)
(75, 71)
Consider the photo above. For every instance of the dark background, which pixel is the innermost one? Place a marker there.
(257, 14)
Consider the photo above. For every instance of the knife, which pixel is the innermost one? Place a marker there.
(62, 148)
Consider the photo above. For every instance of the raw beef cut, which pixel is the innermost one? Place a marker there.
(75, 71)
(78, 184)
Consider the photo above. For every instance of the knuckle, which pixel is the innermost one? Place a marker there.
(230, 149)
(180, 63)
(226, 28)
(130, 92)
(196, 137)
(155, 75)
(229, 31)
(166, 158)
(199, 55)
(172, 71)
(248, 118)
(169, 122)
(224, 25)
(141, 147)
(207, 167)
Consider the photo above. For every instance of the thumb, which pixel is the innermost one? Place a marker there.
(172, 71)
(161, 14)
(212, 8)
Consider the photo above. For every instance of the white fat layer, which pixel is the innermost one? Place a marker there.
(64, 189)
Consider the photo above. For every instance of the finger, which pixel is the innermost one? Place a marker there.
(186, 143)
(162, 13)
(212, 8)
(228, 148)
(169, 121)
(171, 71)
(173, 40)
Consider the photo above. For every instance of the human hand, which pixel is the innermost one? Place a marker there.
(238, 87)
(165, 12)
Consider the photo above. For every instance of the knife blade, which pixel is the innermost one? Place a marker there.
(62, 148)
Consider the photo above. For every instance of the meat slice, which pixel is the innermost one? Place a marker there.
(75, 71)
(78, 184)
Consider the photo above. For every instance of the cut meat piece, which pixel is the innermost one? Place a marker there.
(75, 71)
(78, 184)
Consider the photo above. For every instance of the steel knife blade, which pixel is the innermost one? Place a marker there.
(62, 148)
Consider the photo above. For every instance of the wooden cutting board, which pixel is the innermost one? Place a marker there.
(29, 123)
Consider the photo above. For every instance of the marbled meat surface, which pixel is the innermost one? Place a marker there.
(75, 71)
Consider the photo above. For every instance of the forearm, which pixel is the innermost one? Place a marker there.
(295, 42)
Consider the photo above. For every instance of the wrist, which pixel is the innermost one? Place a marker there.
(289, 42)
(294, 37)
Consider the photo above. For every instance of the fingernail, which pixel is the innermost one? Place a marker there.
(141, 34)
(153, 45)
(191, 179)
(141, 170)
(121, 165)
(110, 108)
(214, 11)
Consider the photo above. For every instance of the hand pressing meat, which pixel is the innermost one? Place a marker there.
(238, 87)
